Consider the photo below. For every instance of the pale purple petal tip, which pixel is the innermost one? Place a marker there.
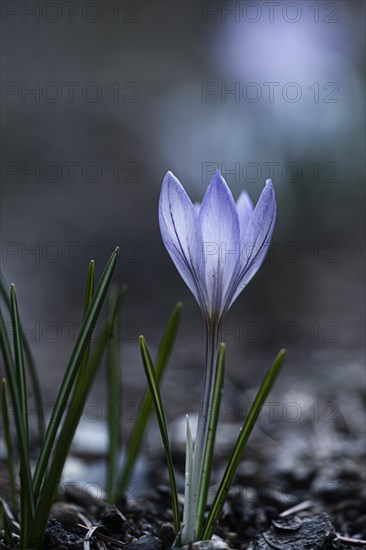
(179, 230)
(244, 206)
(221, 240)
(257, 238)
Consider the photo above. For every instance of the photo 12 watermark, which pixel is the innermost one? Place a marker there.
(291, 252)
(66, 252)
(69, 92)
(254, 171)
(270, 92)
(233, 412)
(231, 11)
(71, 12)
(67, 332)
(280, 332)
(70, 172)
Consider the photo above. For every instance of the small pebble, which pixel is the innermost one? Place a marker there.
(69, 516)
(290, 524)
(167, 535)
(113, 519)
(147, 542)
(214, 544)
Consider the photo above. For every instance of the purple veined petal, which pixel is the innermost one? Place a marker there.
(257, 238)
(244, 206)
(180, 232)
(220, 231)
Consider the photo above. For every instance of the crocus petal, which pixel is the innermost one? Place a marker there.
(257, 238)
(181, 233)
(245, 209)
(197, 207)
(220, 231)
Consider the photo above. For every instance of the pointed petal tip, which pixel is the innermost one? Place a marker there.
(218, 182)
(244, 198)
(169, 175)
(218, 190)
(217, 178)
(179, 230)
(169, 183)
(269, 190)
(170, 179)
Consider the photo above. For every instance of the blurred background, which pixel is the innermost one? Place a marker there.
(100, 99)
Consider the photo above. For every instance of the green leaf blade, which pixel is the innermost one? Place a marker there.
(68, 429)
(240, 445)
(36, 386)
(26, 478)
(89, 286)
(113, 400)
(159, 410)
(138, 431)
(19, 359)
(88, 297)
(8, 443)
(72, 370)
(26, 500)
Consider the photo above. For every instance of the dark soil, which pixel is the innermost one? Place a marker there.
(300, 486)
(255, 517)
(252, 519)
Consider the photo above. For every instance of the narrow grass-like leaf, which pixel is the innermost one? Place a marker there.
(25, 471)
(155, 392)
(114, 400)
(6, 524)
(8, 444)
(240, 445)
(72, 370)
(88, 296)
(188, 481)
(89, 286)
(68, 430)
(138, 431)
(26, 510)
(209, 450)
(36, 387)
(7, 353)
(19, 358)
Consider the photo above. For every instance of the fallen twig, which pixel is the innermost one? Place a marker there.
(349, 540)
(298, 508)
(93, 533)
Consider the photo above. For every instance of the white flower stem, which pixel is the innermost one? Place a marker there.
(189, 529)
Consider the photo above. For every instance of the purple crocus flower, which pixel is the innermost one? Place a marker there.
(217, 246)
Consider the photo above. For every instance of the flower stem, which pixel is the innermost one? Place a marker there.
(190, 529)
